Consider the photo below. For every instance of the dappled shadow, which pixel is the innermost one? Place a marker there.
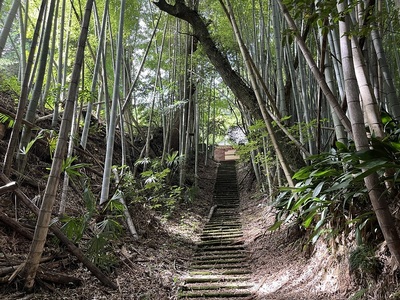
(280, 269)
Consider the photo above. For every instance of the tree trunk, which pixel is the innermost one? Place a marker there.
(114, 111)
(375, 190)
(43, 222)
(37, 91)
(7, 25)
(394, 104)
(266, 117)
(231, 78)
(88, 117)
(336, 108)
(370, 106)
(12, 144)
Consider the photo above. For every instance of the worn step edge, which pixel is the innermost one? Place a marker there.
(222, 226)
(220, 247)
(216, 266)
(216, 278)
(216, 236)
(220, 293)
(222, 231)
(216, 224)
(220, 256)
(221, 272)
(223, 285)
(219, 261)
(220, 253)
(218, 242)
(207, 252)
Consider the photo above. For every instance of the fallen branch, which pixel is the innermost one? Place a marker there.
(61, 236)
(128, 218)
(8, 187)
(58, 278)
(10, 269)
(16, 226)
(210, 214)
(7, 270)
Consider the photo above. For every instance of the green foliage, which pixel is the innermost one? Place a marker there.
(53, 94)
(40, 135)
(74, 227)
(102, 227)
(359, 294)
(259, 143)
(52, 141)
(154, 188)
(73, 170)
(363, 261)
(104, 233)
(86, 96)
(5, 119)
(256, 135)
(10, 84)
(330, 196)
(190, 193)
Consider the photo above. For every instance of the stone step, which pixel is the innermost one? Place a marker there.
(219, 267)
(205, 248)
(225, 242)
(217, 286)
(220, 261)
(220, 256)
(222, 230)
(239, 271)
(218, 236)
(216, 278)
(222, 293)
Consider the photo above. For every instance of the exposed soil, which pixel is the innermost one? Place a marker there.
(153, 267)
(286, 267)
(149, 268)
(280, 269)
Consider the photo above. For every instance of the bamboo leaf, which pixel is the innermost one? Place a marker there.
(324, 173)
(338, 186)
(340, 146)
(303, 173)
(309, 218)
(318, 189)
(275, 226)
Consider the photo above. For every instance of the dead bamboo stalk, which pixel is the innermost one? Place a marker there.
(8, 187)
(61, 236)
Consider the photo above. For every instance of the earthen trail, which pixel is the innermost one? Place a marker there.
(219, 269)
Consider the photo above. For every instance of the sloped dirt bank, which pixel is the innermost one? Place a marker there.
(281, 271)
(149, 268)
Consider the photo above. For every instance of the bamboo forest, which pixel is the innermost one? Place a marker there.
(200, 149)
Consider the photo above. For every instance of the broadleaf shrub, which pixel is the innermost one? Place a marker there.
(330, 197)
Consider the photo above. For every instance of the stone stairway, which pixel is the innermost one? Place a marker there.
(219, 269)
